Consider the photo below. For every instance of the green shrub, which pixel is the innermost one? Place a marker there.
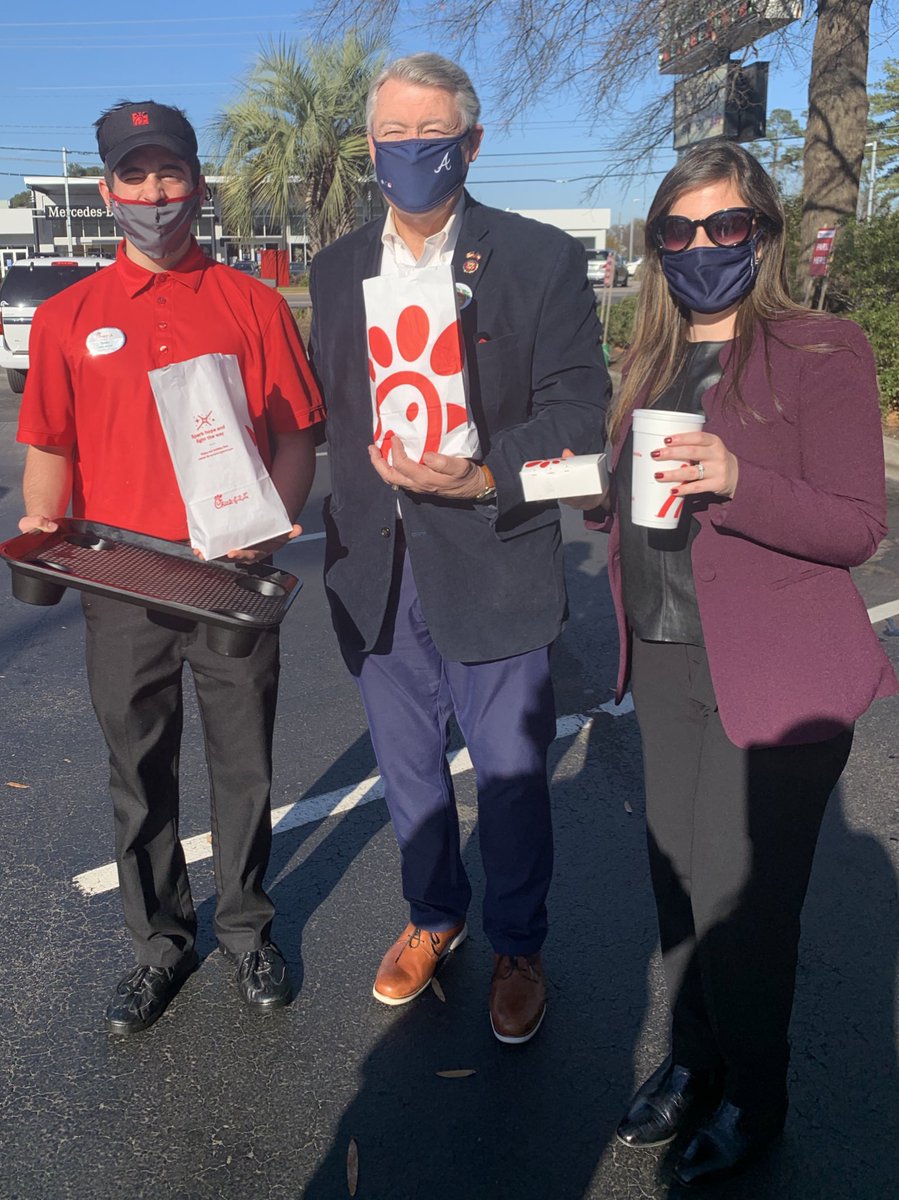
(620, 328)
(793, 212)
(864, 284)
(303, 318)
(865, 267)
(881, 323)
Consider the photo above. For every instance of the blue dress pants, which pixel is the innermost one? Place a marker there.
(506, 712)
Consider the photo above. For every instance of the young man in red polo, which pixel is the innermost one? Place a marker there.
(96, 443)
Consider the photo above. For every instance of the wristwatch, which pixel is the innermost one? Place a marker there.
(489, 490)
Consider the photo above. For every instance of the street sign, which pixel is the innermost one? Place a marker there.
(820, 263)
(727, 101)
(701, 33)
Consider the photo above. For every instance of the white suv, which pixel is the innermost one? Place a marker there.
(29, 282)
(596, 268)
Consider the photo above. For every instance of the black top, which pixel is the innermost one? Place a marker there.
(656, 567)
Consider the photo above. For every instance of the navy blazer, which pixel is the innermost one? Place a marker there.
(490, 576)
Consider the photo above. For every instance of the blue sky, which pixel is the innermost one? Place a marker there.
(59, 72)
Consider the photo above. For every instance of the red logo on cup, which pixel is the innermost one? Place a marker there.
(669, 503)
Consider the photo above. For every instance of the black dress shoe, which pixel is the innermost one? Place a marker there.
(730, 1140)
(262, 977)
(144, 994)
(670, 1100)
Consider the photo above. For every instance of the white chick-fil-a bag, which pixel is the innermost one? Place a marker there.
(230, 499)
(416, 363)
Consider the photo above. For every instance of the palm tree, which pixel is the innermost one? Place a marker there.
(295, 138)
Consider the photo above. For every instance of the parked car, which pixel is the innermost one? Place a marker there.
(596, 268)
(633, 266)
(244, 264)
(27, 284)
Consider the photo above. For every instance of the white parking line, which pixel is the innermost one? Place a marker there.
(881, 612)
(302, 812)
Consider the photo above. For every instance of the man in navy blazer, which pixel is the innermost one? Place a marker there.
(446, 587)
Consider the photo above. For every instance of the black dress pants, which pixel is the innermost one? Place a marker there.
(731, 836)
(134, 667)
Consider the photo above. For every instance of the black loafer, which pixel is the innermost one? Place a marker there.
(730, 1140)
(262, 977)
(144, 994)
(670, 1100)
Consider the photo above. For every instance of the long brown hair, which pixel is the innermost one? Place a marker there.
(659, 346)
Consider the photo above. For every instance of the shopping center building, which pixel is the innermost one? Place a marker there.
(68, 218)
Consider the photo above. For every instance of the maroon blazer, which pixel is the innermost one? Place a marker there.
(792, 653)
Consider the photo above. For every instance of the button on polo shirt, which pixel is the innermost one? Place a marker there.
(100, 403)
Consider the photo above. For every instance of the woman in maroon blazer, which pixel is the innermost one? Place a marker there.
(748, 649)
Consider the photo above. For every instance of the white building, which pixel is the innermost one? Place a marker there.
(68, 217)
(588, 225)
(16, 234)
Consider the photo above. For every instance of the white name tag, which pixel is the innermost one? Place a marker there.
(104, 341)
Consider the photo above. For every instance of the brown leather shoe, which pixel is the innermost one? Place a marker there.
(517, 997)
(409, 965)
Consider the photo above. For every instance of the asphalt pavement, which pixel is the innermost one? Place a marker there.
(212, 1102)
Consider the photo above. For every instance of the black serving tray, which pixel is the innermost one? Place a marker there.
(232, 600)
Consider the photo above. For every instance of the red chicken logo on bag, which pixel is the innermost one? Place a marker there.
(405, 393)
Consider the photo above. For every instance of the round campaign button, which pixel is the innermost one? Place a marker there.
(105, 341)
(463, 295)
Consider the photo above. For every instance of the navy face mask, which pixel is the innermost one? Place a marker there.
(418, 174)
(711, 278)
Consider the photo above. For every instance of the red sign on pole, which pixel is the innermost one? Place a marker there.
(820, 263)
(608, 275)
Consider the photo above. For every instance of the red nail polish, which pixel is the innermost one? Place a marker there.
(654, 453)
(668, 441)
(658, 475)
(674, 491)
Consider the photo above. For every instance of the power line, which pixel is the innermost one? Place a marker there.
(44, 150)
(119, 87)
(147, 21)
(177, 41)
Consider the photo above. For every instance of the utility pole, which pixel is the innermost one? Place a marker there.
(871, 178)
(65, 173)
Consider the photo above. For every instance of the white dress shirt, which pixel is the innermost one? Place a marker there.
(439, 248)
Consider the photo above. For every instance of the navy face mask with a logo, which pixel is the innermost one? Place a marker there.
(418, 174)
(711, 278)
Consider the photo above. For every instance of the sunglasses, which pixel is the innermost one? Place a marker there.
(729, 227)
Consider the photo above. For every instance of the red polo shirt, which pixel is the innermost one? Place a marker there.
(101, 404)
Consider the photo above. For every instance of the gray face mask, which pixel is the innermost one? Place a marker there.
(157, 230)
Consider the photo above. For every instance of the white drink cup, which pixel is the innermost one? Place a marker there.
(652, 504)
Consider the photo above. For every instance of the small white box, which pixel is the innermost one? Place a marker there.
(552, 478)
